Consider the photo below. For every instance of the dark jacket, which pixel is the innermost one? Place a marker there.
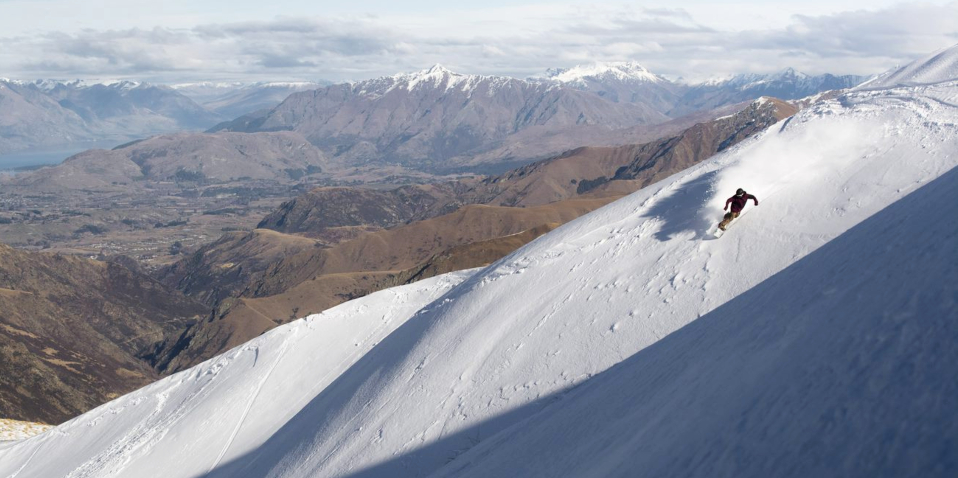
(738, 202)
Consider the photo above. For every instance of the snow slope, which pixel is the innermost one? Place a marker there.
(843, 364)
(934, 68)
(600, 289)
(523, 364)
(224, 406)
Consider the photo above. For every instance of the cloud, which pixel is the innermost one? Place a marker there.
(516, 41)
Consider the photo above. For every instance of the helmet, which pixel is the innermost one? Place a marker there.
(739, 192)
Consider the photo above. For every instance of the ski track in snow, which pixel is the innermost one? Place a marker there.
(252, 399)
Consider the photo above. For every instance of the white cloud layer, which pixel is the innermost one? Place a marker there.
(694, 42)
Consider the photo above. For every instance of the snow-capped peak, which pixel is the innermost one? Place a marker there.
(789, 73)
(620, 70)
(436, 77)
(436, 69)
(49, 85)
(434, 74)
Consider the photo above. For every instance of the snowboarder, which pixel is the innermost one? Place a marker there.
(738, 202)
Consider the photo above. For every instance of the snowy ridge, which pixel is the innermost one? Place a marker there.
(210, 405)
(238, 85)
(935, 68)
(621, 71)
(210, 85)
(788, 77)
(437, 77)
(475, 372)
(752, 80)
(48, 85)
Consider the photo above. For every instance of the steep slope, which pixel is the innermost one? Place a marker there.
(843, 364)
(423, 119)
(937, 67)
(71, 331)
(472, 368)
(577, 301)
(344, 335)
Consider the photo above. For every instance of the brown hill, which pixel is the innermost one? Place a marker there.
(224, 268)
(71, 331)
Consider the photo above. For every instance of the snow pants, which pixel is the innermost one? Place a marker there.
(727, 219)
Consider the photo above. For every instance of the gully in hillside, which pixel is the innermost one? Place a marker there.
(738, 202)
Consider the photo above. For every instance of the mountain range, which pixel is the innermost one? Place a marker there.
(46, 113)
(437, 120)
(52, 113)
(434, 120)
(816, 336)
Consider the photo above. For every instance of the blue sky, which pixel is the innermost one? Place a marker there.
(180, 41)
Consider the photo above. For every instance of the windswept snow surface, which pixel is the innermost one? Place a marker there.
(475, 380)
(941, 66)
(843, 364)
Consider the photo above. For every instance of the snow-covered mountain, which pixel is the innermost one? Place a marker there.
(627, 82)
(428, 118)
(629, 71)
(787, 84)
(631, 82)
(816, 336)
